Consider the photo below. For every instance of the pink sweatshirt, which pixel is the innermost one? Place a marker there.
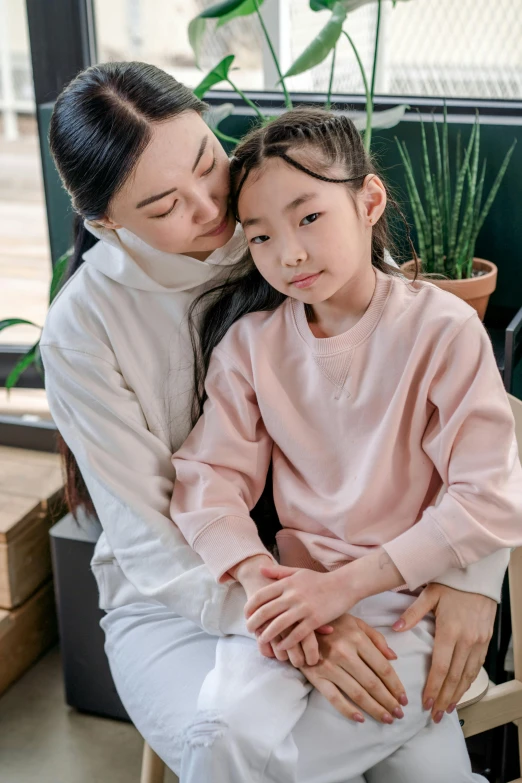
(363, 429)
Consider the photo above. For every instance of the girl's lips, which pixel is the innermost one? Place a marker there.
(219, 230)
(306, 282)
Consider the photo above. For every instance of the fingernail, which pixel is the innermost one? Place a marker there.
(392, 652)
(451, 708)
(403, 699)
(399, 625)
(398, 713)
(387, 718)
(358, 717)
(428, 704)
(438, 716)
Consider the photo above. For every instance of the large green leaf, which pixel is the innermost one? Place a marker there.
(216, 75)
(59, 272)
(217, 114)
(196, 33)
(21, 366)
(322, 44)
(322, 5)
(388, 118)
(246, 8)
(7, 322)
(221, 9)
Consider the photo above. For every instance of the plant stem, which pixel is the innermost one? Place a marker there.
(288, 100)
(369, 104)
(369, 100)
(224, 137)
(247, 100)
(376, 48)
(330, 83)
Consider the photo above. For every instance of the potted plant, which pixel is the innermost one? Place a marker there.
(325, 43)
(449, 212)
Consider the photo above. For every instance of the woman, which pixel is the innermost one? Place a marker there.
(151, 182)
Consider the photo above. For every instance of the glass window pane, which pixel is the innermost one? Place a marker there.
(25, 267)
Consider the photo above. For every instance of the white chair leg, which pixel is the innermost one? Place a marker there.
(152, 767)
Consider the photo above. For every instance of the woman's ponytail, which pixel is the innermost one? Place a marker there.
(83, 241)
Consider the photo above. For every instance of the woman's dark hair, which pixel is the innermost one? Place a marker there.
(101, 124)
(321, 140)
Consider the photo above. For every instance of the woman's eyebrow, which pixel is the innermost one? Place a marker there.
(158, 196)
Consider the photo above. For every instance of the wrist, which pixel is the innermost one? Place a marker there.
(347, 580)
(250, 567)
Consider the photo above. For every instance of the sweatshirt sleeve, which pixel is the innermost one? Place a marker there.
(470, 438)
(221, 470)
(129, 475)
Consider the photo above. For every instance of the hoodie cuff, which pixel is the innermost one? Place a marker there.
(485, 577)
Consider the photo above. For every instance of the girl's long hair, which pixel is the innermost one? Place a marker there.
(101, 124)
(320, 140)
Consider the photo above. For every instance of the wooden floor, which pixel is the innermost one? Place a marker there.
(24, 246)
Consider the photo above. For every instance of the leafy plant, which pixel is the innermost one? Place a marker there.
(451, 211)
(32, 356)
(324, 43)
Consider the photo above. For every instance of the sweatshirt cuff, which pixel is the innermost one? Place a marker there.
(226, 542)
(484, 577)
(422, 553)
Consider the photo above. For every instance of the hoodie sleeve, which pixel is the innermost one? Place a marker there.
(221, 470)
(470, 439)
(129, 475)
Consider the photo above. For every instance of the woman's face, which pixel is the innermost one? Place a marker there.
(176, 199)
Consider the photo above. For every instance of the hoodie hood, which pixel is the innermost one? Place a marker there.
(122, 256)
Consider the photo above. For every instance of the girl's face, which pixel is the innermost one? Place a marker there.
(176, 199)
(309, 239)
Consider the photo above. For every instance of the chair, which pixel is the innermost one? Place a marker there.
(152, 767)
(485, 705)
(502, 704)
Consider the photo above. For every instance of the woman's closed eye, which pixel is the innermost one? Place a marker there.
(167, 213)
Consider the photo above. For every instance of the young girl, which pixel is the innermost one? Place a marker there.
(368, 394)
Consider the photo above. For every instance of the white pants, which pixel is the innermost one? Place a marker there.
(218, 712)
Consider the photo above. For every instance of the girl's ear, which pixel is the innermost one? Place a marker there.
(373, 198)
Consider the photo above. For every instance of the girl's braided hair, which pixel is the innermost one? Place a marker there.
(321, 140)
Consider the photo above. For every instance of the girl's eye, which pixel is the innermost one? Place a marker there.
(166, 214)
(311, 218)
(210, 169)
(261, 239)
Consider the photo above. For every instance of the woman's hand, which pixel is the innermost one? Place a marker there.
(463, 629)
(355, 674)
(297, 603)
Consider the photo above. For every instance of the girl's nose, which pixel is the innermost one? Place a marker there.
(292, 255)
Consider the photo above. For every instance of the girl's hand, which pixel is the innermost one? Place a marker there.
(355, 673)
(249, 574)
(463, 629)
(301, 598)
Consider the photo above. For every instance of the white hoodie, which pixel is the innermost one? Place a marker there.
(118, 366)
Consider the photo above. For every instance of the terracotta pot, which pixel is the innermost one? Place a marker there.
(475, 290)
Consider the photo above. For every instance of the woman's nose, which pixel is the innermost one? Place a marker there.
(206, 208)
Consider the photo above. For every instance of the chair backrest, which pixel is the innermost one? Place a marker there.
(515, 564)
(516, 407)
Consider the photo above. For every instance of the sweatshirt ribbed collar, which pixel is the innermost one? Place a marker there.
(323, 346)
(121, 256)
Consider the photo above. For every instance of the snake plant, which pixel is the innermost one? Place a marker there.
(449, 209)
